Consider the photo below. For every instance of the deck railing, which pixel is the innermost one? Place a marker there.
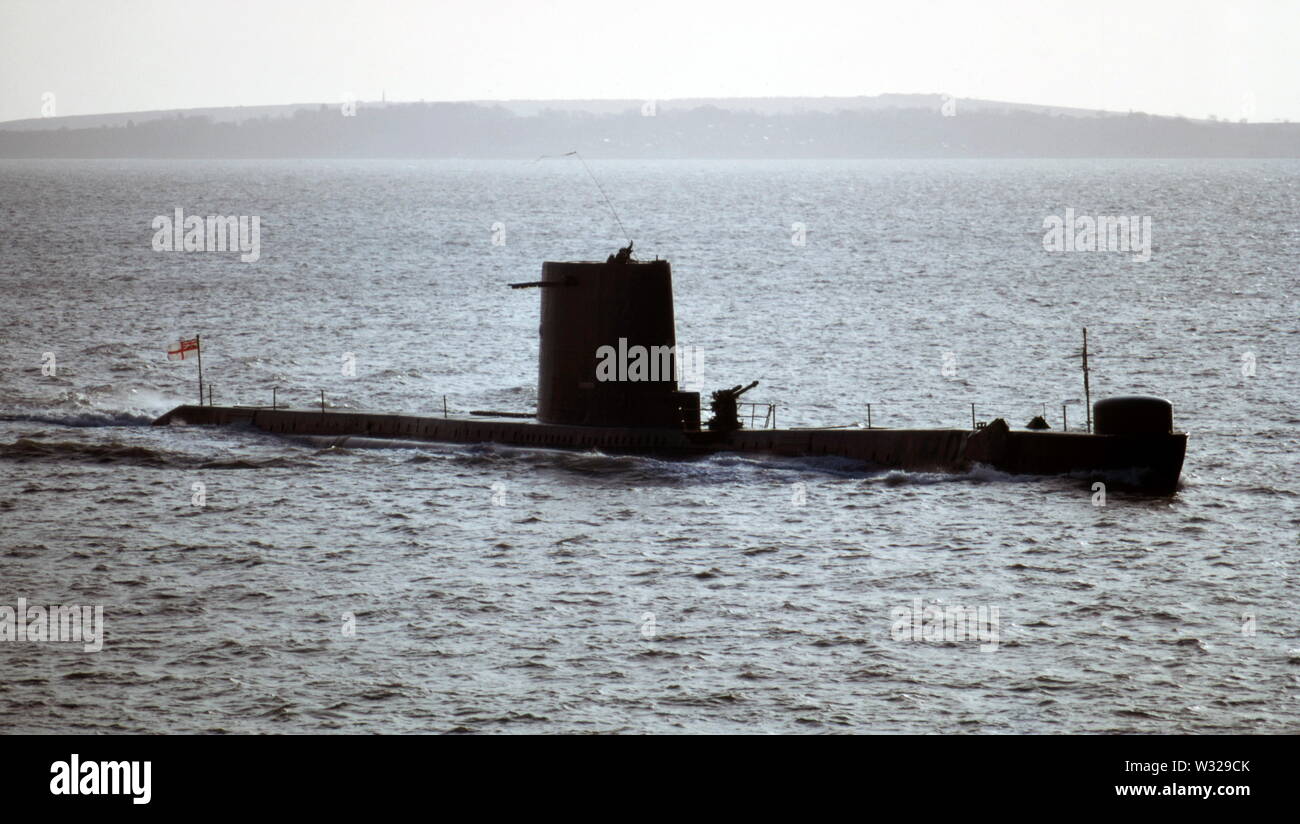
(768, 411)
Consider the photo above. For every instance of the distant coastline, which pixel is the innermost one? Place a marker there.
(887, 126)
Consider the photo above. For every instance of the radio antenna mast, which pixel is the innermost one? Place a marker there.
(1087, 391)
(601, 189)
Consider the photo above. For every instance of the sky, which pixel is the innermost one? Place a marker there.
(68, 57)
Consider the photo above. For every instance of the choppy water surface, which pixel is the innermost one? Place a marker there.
(499, 589)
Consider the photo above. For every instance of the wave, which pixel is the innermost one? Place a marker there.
(721, 467)
(977, 474)
(115, 452)
(255, 463)
(98, 406)
(25, 449)
(84, 418)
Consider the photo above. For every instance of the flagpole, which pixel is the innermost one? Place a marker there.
(198, 345)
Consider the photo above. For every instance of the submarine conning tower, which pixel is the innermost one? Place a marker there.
(608, 347)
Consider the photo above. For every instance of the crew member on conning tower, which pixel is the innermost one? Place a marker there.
(624, 255)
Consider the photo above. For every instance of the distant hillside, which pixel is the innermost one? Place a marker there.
(888, 126)
(759, 105)
(218, 114)
(786, 105)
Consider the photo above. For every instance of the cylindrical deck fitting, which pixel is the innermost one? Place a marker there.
(1133, 415)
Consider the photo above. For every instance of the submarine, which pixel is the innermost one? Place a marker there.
(591, 309)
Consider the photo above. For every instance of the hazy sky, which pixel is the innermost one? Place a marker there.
(1230, 59)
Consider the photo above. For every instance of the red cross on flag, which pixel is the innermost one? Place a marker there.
(178, 353)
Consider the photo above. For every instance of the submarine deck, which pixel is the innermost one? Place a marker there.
(1154, 459)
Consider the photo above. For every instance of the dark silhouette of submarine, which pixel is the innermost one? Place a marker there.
(622, 304)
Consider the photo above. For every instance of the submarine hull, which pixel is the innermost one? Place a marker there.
(1149, 462)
